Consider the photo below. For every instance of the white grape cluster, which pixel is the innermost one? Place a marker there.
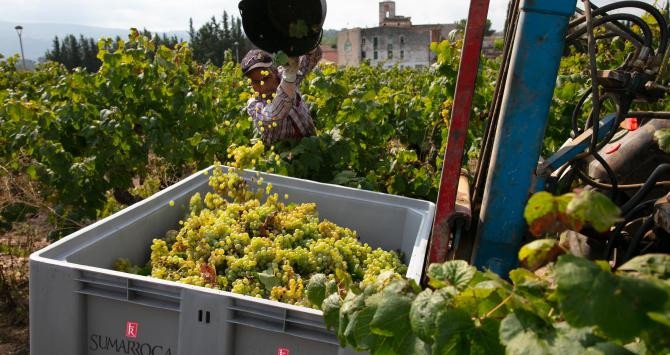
(231, 241)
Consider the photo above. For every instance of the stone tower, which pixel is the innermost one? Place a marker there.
(386, 10)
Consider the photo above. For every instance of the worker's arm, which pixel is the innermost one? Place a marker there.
(307, 62)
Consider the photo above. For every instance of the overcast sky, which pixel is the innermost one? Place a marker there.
(166, 15)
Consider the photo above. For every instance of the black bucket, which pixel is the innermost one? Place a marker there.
(292, 26)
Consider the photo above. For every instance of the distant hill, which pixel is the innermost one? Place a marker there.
(38, 37)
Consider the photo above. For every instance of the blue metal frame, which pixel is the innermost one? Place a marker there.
(536, 56)
(570, 150)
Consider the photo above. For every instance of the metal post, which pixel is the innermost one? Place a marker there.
(536, 55)
(19, 30)
(458, 129)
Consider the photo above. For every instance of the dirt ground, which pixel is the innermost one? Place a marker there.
(15, 247)
(13, 337)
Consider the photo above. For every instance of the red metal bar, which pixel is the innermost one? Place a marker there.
(458, 128)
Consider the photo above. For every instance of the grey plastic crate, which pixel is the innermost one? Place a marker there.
(78, 305)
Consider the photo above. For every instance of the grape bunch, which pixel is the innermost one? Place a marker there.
(232, 241)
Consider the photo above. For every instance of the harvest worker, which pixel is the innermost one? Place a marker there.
(277, 110)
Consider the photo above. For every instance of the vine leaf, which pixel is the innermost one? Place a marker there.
(425, 309)
(331, 310)
(587, 296)
(456, 273)
(268, 279)
(540, 213)
(653, 265)
(358, 332)
(451, 338)
(662, 136)
(392, 315)
(352, 304)
(524, 332)
(280, 58)
(546, 213)
(316, 289)
(539, 252)
(458, 333)
(596, 208)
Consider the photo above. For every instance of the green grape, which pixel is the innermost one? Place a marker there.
(232, 241)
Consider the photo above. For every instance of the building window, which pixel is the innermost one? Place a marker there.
(402, 54)
(363, 41)
(390, 55)
(389, 48)
(402, 40)
(375, 42)
(375, 55)
(363, 54)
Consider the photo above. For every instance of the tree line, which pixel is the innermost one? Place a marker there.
(208, 43)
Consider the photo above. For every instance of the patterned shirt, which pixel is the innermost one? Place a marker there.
(285, 117)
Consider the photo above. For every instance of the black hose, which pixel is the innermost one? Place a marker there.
(635, 242)
(575, 113)
(648, 185)
(588, 180)
(663, 25)
(658, 16)
(634, 37)
(646, 30)
(619, 227)
(595, 94)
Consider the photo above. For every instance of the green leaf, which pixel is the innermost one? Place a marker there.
(358, 332)
(316, 289)
(539, 253)
(523, 332)
(352, 304)
(539, 206)
(280, 58)
(458, 334)
(654, 265)
(268, 279)
(546, 213)
(481, 299)
(331, 311)
(541, 214)
(331, 287)
(410, 344)
(618, 305)
(663, 318)
(523, 277)
(453, 325)
(425, 309)
(594, 207)
(662, 136)
(457, 273)
(32, 172)
(392, 315)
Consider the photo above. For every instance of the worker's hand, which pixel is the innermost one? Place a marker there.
(291, 70)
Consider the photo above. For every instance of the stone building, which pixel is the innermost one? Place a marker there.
(394, 41)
